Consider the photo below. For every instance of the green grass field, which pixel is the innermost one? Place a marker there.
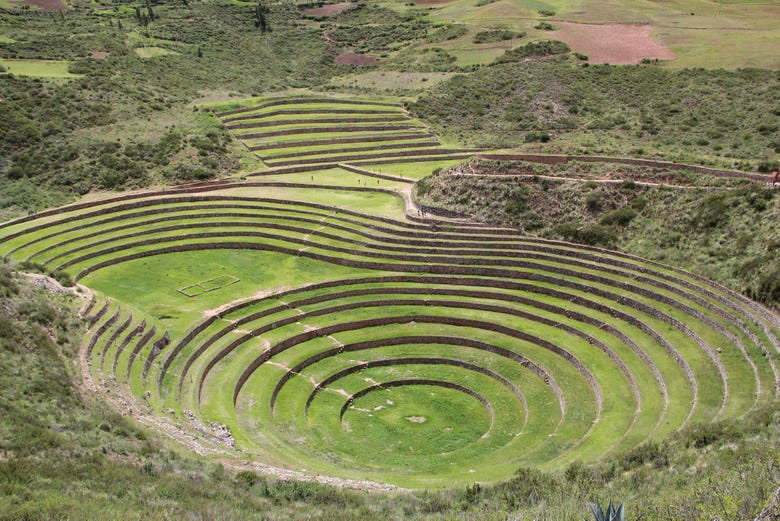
(153, 52)
(51, 69)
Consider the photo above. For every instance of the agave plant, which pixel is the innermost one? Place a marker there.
(610, 514)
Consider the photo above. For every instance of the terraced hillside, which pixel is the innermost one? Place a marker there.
(322, 324)
(314, 131)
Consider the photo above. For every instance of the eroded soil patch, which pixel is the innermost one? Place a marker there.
(353, 58)
(46, 5)
(328, 10)
(617, 44)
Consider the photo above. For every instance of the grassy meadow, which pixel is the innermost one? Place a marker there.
(53, 69)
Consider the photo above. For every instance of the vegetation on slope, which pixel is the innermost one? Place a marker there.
(699, 116)
(124, 123)
(725, 230)
(49, 160)
(123, 120)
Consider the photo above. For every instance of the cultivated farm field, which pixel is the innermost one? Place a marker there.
(696, 33)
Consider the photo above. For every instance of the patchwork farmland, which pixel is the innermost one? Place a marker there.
(319, 322)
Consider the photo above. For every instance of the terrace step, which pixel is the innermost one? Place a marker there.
(314, 121)
(326, 130)
(353, 158)
(424, 144)
(293, 112)
(298, 101)
(344, 140)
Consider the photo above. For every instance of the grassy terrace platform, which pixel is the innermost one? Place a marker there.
(331, 327)
(287, 132)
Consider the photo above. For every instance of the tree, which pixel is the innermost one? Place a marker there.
(261, 20)
(143, 18)
(149, 11)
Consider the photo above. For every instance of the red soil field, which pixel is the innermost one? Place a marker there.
(328, 10)
(613, 43)
(352, 58)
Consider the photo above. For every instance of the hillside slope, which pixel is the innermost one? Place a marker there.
(725, 230)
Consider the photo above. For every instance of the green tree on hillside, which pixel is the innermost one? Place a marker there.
(261, 16)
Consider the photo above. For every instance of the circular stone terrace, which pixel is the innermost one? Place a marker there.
(309, 319)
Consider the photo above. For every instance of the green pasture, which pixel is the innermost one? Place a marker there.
(305, 126)
(745, 49)
(314, 119)
(279, 116)
(299, 100)
(53, 69)
(267, 107)
(468, 55)
(153, 52)
(361, 156)
(337, 177)
(19, 4)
